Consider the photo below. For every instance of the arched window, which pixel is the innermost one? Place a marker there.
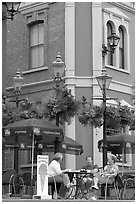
(121, 48)
(36, 45)
(110, 54)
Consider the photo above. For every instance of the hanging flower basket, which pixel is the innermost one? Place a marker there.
(64, 103)
(116, 117)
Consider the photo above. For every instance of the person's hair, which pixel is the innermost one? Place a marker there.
(113, 157)
(58, 156)
(89, 157)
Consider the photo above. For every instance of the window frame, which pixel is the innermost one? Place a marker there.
(121, 48)
(110, 54)
(31, 26)
(117, 18)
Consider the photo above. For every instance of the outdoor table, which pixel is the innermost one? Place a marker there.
(78, 174)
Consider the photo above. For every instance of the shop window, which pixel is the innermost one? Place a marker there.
(37, 45)
(121, 48)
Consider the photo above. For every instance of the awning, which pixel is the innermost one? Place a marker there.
(26, 128)
(118, 141)
(68, 146)
(44, 130)
(71, 146)
(124, 103)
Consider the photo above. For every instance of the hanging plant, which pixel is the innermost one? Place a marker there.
(116, 117)
(90, 114)
(64, 103)
(125, 114)
(132, 122)
(113, 118)
(26, 110)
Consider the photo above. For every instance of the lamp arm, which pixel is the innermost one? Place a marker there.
(105, 50)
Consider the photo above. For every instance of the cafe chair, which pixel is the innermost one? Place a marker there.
(129, 187)
(107, 189)
(8, 187)
(18, 185)
(52, 187)
(27, 183)
(117, 186)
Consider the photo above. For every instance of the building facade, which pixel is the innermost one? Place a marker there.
(77, 30)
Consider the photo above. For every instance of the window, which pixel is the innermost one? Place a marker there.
(121, 48)
(37, 45)
(118, 22)
(110, 54)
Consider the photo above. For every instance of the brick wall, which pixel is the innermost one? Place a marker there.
(18, 52)
(18, 42)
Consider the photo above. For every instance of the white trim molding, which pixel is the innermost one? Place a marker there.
(70, 70)
(114, 86)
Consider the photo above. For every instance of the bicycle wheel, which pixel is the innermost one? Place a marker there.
(129, 189)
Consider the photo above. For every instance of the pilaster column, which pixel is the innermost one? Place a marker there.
(70, 69)
(97, 67)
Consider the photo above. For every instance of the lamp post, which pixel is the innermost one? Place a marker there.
(58, 66)
(104, 81)
(12, 8)
(17, 82)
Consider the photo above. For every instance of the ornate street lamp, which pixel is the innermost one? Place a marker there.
(58, 66)
(12, 9)
(104, 81)
(113, 40)
(17, 82)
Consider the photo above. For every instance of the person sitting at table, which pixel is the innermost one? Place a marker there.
(111, 169)
(54, 169)
(89, 180)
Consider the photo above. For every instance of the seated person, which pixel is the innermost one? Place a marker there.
(111, 169)
(88, 180)
(54, 169)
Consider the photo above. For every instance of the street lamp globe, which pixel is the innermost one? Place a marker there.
(12, 9)
(58, 66)
(17, 82)
(104, 80)
(113, 40)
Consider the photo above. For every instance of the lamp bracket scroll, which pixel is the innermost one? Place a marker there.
(104, 50)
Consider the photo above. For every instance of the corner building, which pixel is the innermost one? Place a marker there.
(77, 30)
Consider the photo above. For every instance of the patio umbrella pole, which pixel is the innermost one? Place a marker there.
(32, 159)
(122, 159)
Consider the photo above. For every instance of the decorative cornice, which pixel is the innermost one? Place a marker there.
(84, 81)
(69, 4)
(116, 12)
(33, 84)
(123, 6)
